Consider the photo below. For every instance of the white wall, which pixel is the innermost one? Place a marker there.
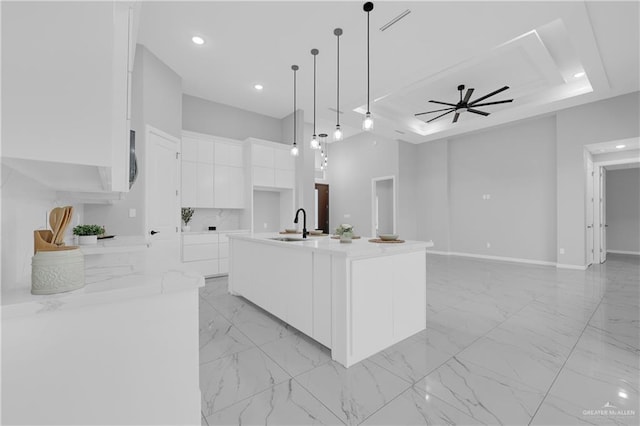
(25, 207)
(385, 197)
(407, 191)
(515, 166)
(623, 210)
(211, 118)
(432, 194)
(606, 120)
(266, 211)
(157, 101)
(353, 162)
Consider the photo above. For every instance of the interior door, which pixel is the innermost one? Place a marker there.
(590, 211)
(162, 183)
(603, 215)
(322, 207)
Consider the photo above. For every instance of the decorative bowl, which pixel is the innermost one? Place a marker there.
(388, 237)
(291, 231)
(316, 232)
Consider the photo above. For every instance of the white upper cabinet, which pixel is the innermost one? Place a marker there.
(212, 172)
(66, 92)
(272, 165)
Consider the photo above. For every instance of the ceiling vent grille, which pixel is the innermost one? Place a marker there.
(395, 20)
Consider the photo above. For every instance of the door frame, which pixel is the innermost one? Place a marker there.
(599, 234)
(373, 202)
(148, 131)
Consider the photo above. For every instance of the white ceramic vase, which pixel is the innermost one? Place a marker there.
(85, 240)
(346, 237)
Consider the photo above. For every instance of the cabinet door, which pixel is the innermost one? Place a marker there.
(205, 185)
(229, 187)
(199, 252)
(262, 156)
(409, 294)
(235, 157)
(284, 178)
(263, 176)
(283, 159)
(189, 184)
(205, 151)
(189, 149)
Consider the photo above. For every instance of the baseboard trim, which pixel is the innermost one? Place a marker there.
(567, 266)
(498, 258)
(635, 253)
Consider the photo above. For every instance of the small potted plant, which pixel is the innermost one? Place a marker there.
(187, 213)
(345, 231)
(88, 234)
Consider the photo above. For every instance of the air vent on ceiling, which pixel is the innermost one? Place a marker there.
(399, 131)
(395, 20)
(335, 110)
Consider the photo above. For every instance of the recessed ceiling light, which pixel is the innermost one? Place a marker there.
(623, 394)
(579, 74)
(197, 40)
(258, 87)
(621, 146)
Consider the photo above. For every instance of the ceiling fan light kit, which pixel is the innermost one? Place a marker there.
(465, 105)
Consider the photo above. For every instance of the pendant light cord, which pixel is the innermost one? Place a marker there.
(314, 94)
(368, 80)
(294, 107)
(338, 85)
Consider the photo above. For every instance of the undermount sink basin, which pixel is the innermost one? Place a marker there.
(287, 239)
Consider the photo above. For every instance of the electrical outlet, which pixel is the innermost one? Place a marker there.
(561, 251)
(132, 212)
(265, 225)
(488, 245)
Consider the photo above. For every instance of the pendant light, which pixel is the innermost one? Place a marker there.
(367, 124)
(337, 134)
(314, 140)
(294, 147)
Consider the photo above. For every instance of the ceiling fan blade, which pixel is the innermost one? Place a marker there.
(493, 103)
(455, 117)
(468, 95)
(489, 95)
(443, 103)
(475, 111)
(435, 110)
(441, 115)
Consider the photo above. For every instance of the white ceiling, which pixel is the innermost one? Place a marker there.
(533, 47)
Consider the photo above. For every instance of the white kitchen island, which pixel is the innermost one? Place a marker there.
(357, 299)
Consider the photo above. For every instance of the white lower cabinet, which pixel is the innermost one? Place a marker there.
(207, 253)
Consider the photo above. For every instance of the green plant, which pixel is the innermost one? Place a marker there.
(88, 230)
(187, 213)
(345, 227)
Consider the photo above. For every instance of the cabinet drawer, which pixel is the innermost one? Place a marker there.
(205, 267)
(199, 238)
(199, 252)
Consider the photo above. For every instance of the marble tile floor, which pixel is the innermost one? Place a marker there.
(505, 343)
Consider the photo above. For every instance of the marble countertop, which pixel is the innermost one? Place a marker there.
(357, 248)
(109, 277)
(217, 231)
(117, 244)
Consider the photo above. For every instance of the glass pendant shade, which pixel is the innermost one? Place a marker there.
(337, 134)
(314, 144)
(367, 123)
(294, 150)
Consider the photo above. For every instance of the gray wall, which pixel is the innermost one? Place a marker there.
(407, 190)
(432, 194)
(157, 101)
(204, 116)
(516, 167)
(606, 120)
(266, 210)
(623, 210)
(353, 162)
(384, 193)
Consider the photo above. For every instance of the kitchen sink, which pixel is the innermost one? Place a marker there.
(287, 239)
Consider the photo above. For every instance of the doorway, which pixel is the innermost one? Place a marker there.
(322, 207)
(383, 205)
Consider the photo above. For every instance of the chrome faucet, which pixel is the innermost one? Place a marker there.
(304, 223)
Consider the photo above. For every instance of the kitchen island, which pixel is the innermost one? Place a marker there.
(356, 298)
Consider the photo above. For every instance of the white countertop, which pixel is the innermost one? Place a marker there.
(109, 277)
(117, 244)
(357, 248)
(217, 231)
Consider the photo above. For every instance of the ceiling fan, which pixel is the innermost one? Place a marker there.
(464, 105)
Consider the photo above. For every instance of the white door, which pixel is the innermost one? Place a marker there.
(163, 199)
(603, 215)
(590, 211)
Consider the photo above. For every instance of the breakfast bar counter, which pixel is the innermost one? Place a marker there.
(355, 298)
